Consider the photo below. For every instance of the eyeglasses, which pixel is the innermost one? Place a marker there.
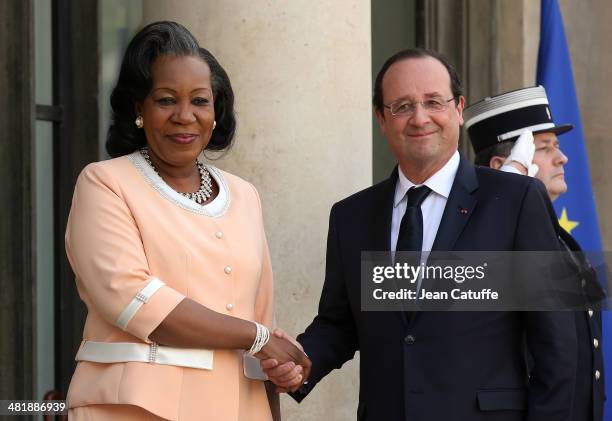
(406, 108)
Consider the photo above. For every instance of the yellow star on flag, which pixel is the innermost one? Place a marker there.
(565, 223)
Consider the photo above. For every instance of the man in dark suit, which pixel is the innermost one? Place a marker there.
(515, 132)
(436, 365)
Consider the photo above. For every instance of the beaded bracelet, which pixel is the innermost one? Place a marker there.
(261, 339)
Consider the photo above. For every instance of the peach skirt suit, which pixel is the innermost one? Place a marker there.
(137, 249)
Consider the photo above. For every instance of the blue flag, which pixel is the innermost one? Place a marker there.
(576, 208)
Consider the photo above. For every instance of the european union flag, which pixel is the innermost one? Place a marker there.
(576, 208)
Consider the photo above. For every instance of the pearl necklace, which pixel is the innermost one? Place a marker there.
(204, 192)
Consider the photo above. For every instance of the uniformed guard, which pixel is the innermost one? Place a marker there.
(515, 132)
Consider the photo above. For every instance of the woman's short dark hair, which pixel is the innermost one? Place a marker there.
(410, 53)
(135, 83)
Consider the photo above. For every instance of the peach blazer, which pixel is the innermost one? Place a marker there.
(127, 226)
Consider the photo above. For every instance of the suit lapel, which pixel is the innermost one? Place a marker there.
(459, 207)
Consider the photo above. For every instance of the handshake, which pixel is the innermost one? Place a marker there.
(284, 362)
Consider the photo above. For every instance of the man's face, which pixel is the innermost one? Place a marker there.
(550, 159)
(425, 138)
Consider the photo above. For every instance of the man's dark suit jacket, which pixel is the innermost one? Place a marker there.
(439, 366)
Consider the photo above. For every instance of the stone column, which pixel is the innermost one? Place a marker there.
(301, 71)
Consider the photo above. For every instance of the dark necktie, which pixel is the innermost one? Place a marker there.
(410, 236)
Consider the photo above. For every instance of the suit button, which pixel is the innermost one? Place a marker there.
(583, 282)
(597, 374)
(590, 313)
(227, 270)
(410, 339)
(218, 234)
(595, 343)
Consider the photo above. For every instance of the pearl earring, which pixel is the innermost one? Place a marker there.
(139, 122)
(214, 124)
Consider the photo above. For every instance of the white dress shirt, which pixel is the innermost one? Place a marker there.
(432, 207)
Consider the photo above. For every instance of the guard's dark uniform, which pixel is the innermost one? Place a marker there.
(502, 118)
(589, 392)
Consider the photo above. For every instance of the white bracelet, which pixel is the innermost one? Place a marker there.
(255, 347)
(265, 337)
(261, 339)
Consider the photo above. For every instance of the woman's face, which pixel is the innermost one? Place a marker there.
(179, 111)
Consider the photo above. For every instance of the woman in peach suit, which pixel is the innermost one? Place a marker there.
(169, 253)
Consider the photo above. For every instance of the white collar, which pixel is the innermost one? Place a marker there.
(214, 209)
(441, 182)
